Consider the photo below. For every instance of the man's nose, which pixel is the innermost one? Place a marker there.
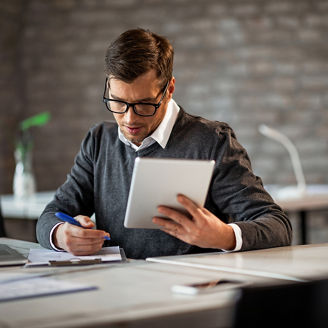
(130, 115)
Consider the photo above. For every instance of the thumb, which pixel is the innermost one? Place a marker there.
(85, 221)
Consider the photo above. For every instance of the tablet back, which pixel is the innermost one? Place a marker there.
(157, 181)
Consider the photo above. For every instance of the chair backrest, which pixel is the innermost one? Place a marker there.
(2, 224)
(289, 305)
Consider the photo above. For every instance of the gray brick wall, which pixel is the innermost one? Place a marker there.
(11, 17)
(243, 62)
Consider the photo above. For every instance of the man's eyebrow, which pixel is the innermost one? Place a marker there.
(148, 99)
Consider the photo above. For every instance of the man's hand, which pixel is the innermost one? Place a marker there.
(200, 227)
(77, 240)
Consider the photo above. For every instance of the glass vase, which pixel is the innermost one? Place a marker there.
(24, 182)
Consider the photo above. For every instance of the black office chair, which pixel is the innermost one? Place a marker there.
(292, 305)
(2, 225)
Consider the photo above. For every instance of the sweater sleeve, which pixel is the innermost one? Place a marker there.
(74, 197)
(240, 196)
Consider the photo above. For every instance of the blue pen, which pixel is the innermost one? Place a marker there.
(69, 219)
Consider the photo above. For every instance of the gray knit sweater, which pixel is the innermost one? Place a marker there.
(100, 179)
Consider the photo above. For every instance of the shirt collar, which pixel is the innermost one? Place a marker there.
(162, 134)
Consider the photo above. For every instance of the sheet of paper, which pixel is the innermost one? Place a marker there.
(42, 256)
(9, 275)
(40, 286)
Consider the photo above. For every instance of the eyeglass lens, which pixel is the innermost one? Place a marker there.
(120, 107)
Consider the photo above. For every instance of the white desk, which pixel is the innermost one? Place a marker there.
(292, 263)
(137, 294)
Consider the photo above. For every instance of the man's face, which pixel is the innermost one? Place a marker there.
(145, 88)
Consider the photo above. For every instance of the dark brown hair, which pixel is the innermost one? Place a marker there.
(137, 51)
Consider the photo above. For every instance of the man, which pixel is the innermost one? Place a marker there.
(138, 91)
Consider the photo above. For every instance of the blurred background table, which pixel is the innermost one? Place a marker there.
(20, 215)
(315, 199)
(29, 209)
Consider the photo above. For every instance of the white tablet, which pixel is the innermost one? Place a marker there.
(157, 181)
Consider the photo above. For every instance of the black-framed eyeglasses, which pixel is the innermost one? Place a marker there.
(141, 109)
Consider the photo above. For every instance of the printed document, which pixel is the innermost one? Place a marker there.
(43, 256)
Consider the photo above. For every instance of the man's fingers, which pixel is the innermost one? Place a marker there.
(168, 224)
(83, 233)
(171, 213)
(79, 241)
(177, 216)
(189, 205)
(84, 246)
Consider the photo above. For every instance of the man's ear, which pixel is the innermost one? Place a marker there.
(171, 87)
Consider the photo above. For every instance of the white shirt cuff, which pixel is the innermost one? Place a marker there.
(239, 239)
(51, 233)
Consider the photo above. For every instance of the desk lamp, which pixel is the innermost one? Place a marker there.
(291, 191)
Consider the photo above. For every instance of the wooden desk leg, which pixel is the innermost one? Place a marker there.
(303, 226)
